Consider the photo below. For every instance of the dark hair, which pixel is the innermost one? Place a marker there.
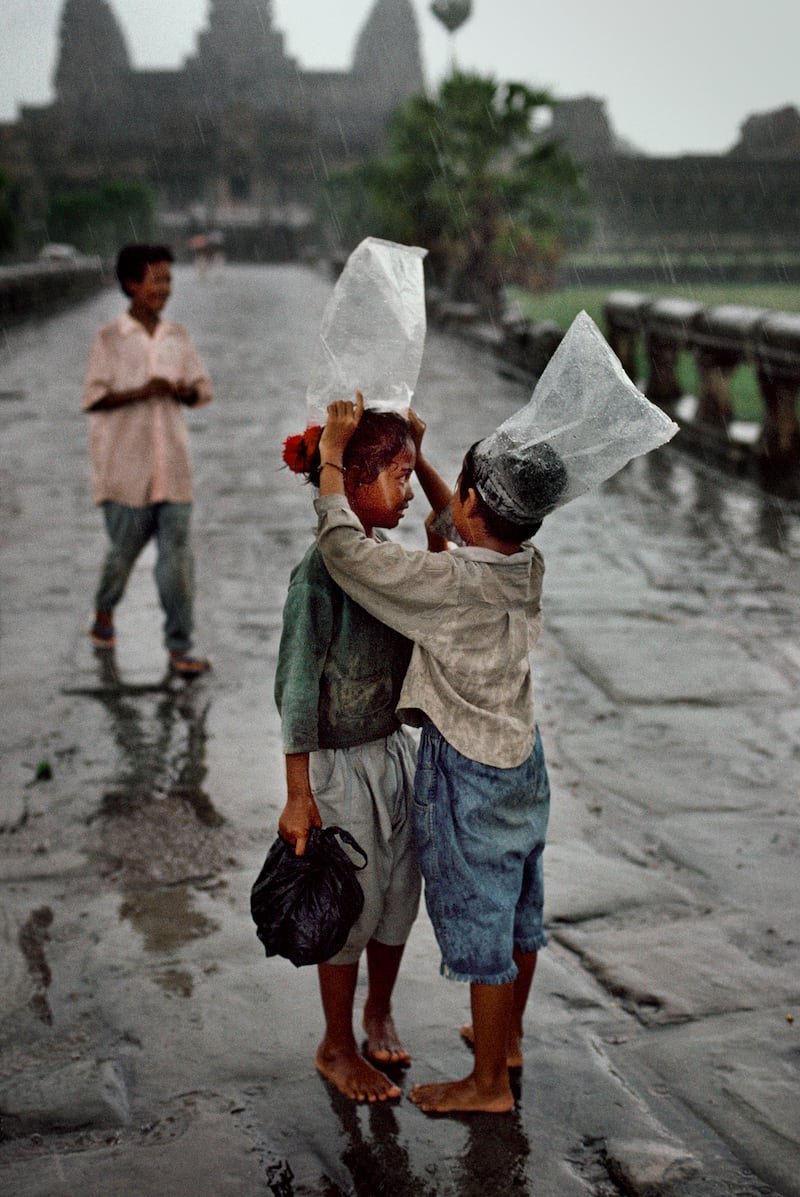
(133, 260)
(498, 525)
(380, 436)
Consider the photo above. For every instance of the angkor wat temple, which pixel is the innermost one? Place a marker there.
(741, 203)
(240, 135)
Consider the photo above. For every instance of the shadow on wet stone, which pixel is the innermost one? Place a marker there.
(147, 722)
(464, 1156)
(157, 829)
(376, 1161)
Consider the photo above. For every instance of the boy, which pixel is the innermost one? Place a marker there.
(141, 371)
(482, 794)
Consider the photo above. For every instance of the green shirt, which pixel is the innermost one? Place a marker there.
(340, 670)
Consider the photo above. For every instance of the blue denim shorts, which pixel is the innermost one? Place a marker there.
(480, 835)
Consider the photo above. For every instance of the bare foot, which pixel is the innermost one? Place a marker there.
(383, 1042)
(461, 1097)
(515, 1056)
(354, 1076)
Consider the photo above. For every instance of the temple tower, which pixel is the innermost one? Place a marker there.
(93, 69)
(240, 57)
(388, 60)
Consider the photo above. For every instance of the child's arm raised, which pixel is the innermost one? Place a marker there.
(436, 490)
(343, 419)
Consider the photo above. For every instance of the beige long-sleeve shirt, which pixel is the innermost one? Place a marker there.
(474, 617)
(140, 451)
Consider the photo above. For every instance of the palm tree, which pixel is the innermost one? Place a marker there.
(470, 176)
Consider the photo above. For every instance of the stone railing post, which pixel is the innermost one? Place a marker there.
(721, 338)
(778, 367)
(625, 313)
(667, 332)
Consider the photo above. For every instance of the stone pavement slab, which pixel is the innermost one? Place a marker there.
(585, 884)
(686, 968)
(694, 665)
(131, 978)
(738, 1073)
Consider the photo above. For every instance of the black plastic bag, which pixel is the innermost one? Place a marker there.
(304, 906)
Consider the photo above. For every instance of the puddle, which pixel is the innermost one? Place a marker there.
(166, 919)
(146, 842)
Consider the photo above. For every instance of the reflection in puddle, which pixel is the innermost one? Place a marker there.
(472, 1152)
(714, 507)
(159, 842)
(495, 1147)
(158, 826)
(161, 733)
(166, 919)
(369, 1158)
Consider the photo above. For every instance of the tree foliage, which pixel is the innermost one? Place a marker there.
(100, 220)
(469, 176)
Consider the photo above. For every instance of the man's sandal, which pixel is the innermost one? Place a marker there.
(187, 666)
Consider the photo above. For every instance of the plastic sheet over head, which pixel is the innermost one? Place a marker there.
(584, 422)
(373, 331)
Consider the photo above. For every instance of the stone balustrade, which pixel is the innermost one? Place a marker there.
(720, 339)
(32, 290)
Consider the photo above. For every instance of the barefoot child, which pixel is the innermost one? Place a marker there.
(348, 760)
(474, 614)
(482, 797)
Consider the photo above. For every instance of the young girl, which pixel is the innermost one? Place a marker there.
(348, 760)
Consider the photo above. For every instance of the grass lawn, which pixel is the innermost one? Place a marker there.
(563, 305)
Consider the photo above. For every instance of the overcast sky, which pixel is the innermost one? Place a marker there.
(678, 77)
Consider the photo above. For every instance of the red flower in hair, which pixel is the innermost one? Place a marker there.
(298, 450)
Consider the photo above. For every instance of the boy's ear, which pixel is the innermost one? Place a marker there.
(470, 503)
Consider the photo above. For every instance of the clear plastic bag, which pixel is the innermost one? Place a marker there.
(584, 413)
(304, 906)
(373, 331)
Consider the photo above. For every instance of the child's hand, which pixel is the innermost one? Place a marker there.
(186, 394)
(298, 816)
(343, 419)
(418, 427)
(436, 542)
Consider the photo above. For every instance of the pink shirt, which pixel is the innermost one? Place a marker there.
(140, 451)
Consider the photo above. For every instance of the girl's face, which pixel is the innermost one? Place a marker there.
(382, 503)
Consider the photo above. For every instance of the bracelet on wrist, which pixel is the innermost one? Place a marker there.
(342, 470)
